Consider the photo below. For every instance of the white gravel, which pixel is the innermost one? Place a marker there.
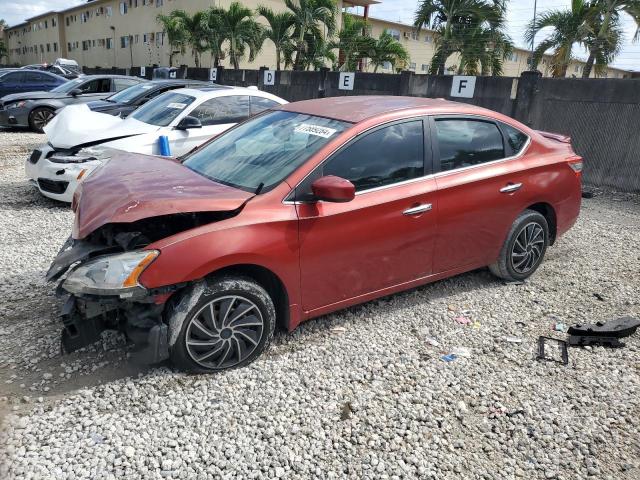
(362, 393)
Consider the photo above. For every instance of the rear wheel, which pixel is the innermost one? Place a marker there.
(228, 323)
(39, 117)
(524, 248)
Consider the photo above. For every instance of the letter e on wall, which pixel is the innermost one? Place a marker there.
(347, 80)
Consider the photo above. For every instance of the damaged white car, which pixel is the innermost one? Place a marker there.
(171, 124)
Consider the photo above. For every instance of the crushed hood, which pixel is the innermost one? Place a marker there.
(131, 187)
(77, 125)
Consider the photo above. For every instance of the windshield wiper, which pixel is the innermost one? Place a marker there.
(259, 189)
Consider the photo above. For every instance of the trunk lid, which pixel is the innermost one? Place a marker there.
(131, 187)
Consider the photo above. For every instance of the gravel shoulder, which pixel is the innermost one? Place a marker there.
(362, 393)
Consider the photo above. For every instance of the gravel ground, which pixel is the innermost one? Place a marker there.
(363, 393)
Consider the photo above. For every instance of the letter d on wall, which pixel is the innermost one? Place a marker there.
(347, 80)
(269, 77)
(463, 86)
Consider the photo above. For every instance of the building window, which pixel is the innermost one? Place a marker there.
(55, 47)
(425, 67)
(159, 3)
(69, 47)
(159, 39)
(109, 11)
(428, 38)
(124, 41)
(46, 24)
(415, 36)
(136, 38)
(48, 47)
(123, 8)
(386, 66)
(412, 66)
(85, 45)
(54, 22)
(145, 38)
(66, 20)
(394, 33)
(109, 43)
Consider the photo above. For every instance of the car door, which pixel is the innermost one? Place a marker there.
(216, 115)
(37, 81)
(479, 182)
(382, 238)
(12, 82)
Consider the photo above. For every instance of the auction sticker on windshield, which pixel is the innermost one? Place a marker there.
(178, 106)
(316, 130)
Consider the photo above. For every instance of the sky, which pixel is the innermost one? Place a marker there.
(520, 12)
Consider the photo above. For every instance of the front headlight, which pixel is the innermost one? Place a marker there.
(111, 274)
(16, 105)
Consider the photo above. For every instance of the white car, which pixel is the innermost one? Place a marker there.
(77, 137)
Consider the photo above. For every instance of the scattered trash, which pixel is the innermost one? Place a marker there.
(559, 327)
(560, 348)
(449, 358)
(521, 324)
(451, 308)
(338, 330)
(515, 412)
(463, 320)
(476, 325)
(515, 282)
(432, 341)
(599, 296)
(461, 351)
(513, 339)
(346, 411)
(606, 334)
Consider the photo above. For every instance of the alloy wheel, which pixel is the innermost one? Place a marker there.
(41, 118)
(224, 332)
(528, 247)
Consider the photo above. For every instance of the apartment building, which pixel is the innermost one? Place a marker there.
(125, 33)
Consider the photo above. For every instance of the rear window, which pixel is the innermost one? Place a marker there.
(515, 138)
(464, 143)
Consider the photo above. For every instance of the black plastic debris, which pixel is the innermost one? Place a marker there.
(603, 333)
(560, 350)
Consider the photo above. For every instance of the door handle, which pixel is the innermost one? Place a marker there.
(511, 187)
(425, 207)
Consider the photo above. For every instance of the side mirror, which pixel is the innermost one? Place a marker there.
(75, 92)
(189, 122)
(333, 189)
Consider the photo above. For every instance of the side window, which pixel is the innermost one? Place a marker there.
(218, 111)
(389, 155)
(464, 143)
(90, 87)
(122, 83)
(259, 104)
(515, 138)
(35, 77)
(13, 77)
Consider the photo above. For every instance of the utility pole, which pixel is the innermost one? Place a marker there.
(114, 46)
(535, 8)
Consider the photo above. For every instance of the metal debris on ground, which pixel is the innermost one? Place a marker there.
(461, 351)
(449, 357)
(513, 339)
(463, 320)
(559, 327)
(338, 330)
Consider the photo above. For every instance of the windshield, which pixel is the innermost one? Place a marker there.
(265, 150)
(68, 86)
(131, 93)
(163, 110)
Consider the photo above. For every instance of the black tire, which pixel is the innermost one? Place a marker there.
(200, 342)
(39, 117)
(524, 248)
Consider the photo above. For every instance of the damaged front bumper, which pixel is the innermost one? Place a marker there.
(86, 316)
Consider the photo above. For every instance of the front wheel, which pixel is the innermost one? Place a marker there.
(39, 118)
(223, 323)
(524, 248)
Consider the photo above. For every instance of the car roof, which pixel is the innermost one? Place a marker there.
(355, 109)
(173, 81)
(90, 77)
(214, 90)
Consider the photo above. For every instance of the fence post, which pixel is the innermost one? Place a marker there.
(528, 88)
(406, 78)
(261, 77)
(321, 83)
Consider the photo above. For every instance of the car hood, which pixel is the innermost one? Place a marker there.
(16, 97)
(77, 125)
(131, 187)
(100, 105)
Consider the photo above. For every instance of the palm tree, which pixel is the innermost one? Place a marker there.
(352, 43)
(452, 19)
(310, 15)
(279, 31)
(238, 27)
(194, 32)
(388, 49)
(605, 39)
(173, 25)
(212, 29)
(569, 28)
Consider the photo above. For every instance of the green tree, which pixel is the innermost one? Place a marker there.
(454, 22)
(604, 39)
(194, 32)
(214, 38)
(388, 49)
(279, 31)
(569, 28)
(352, 43)
(241, 31)
(310, 17)
(177, 35)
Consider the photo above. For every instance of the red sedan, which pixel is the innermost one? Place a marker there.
(306, 209)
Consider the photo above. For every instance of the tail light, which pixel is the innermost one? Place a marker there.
(575, 162)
